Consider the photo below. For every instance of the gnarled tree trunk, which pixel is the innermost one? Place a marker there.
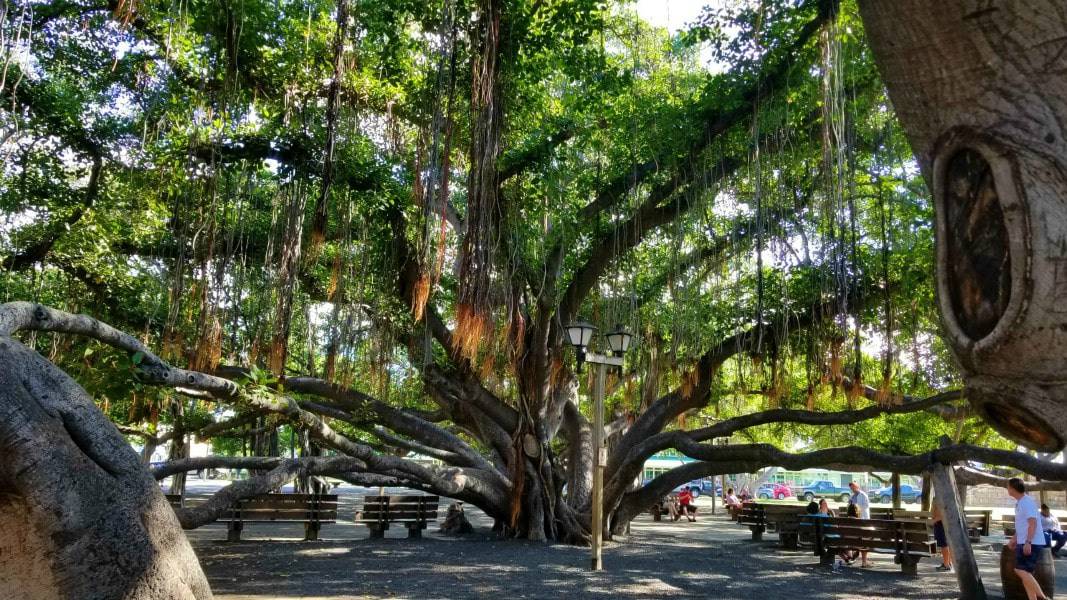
(981, 88)
(81, 516)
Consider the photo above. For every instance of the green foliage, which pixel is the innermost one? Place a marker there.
(211, 120)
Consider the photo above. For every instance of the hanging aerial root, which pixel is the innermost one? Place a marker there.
(472, 328)
(689, 382)
(209, 350)
(837, 375)
(419, 296)
(335, 276)
(855, 389)
(884, 396)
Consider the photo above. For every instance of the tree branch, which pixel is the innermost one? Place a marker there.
(16, 316)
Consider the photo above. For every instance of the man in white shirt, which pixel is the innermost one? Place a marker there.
(1029, 540)
(860, 499)
(863, 509)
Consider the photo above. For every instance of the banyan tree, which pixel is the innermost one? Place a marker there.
(354, 231)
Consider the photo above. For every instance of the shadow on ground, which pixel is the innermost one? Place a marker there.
(712, 558)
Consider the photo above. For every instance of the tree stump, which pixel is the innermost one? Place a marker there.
(456, 522)
(1045, 573)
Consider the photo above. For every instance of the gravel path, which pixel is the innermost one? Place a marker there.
(711, 558)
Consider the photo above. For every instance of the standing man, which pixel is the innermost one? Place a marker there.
(940, 537)
(863, 508)
(1028, 541)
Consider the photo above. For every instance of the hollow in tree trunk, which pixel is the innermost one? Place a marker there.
(981, 89)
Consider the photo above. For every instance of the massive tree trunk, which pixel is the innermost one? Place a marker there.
(981, 88)
(81, 516)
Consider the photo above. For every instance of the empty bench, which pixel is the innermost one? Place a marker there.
(907, 541)
(760, 517)
(175, 500)
(310, 509)
(414, 512)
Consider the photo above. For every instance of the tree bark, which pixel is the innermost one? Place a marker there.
(81, 516)
(179, 447)
(924, 505)
(980, 88)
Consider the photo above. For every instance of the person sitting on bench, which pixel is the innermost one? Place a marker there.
(1053, 532)
(731, 500)
(824, 508)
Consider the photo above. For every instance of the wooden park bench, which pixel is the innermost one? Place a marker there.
(175, 500)
(412, 511)
(979, 522)
(908, 541)
(1007, 523)
(310, 509)
(760, 517)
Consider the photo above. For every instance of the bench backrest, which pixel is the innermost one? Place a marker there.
(384, 509)
(285, 507)
(766, 514)
(980, 520)
(1007, 522)
(175, 500)
(901, 537)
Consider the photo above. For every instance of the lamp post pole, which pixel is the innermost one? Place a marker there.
(600, 455)
(579, 335)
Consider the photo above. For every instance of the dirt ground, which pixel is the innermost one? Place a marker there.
(712, 558)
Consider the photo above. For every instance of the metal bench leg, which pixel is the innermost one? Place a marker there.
(826, 559)
(414, 532)
(909, 565)
(311, 530)
(791, 541)
(233, 531)
(376, 532)
(757, 533)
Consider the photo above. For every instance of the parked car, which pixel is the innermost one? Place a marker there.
(907, 494)
(778, 491)
(698, 487)
(823, 489)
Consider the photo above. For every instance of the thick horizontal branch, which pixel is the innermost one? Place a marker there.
(283, 471)
(620, 469)
(323, 465)
(719, 460)
(531, 154)
(970, 476)
(16, 316)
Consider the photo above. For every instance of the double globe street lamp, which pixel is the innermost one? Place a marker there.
(580, 335)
